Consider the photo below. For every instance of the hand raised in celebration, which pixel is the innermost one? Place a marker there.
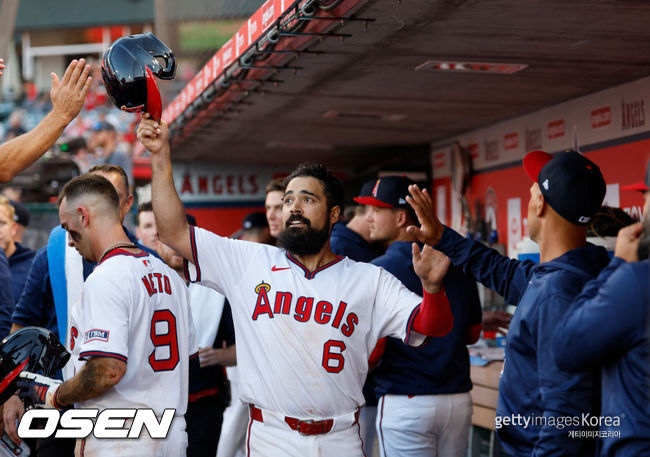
(431, 228)
(69, 94)
(431, 266)
(153, 135)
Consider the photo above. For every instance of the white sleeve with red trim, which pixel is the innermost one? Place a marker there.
(219, 262)
(395, 309)
(106, 300)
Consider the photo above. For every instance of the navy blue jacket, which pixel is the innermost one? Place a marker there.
(532, 386)
(442, 365)
(6, 296)
(607, 327)
(344, 241)
(36, 304)
(19, 264)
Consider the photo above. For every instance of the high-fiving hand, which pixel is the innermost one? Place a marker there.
(431, 266)
(69, 94)
(431, 228)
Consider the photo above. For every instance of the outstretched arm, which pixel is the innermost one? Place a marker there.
(167, 207)
(506, 276)
(68, 96)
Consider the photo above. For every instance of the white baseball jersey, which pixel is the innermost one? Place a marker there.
(135, 308)
(303, 338)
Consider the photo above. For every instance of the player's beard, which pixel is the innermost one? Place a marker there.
(643, 250)
(303, 241)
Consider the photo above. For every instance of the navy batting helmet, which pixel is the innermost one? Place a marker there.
(32, 349)
(128, 69)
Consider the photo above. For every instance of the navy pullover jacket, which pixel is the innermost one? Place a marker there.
(19, 264)
(607, 327)
(533, 388)
(347, 242)
(6, 298)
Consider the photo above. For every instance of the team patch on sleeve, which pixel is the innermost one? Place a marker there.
(96, 335)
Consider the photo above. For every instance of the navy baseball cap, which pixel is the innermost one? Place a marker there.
(250, 221)
(572, 184)
(254, 220)
(21, 214)
(366, 189)
(641, 186)
(386, 192)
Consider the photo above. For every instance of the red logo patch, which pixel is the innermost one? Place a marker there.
(374, 189)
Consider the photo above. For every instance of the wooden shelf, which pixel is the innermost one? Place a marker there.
(485, 393)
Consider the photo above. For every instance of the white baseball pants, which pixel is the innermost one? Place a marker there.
(424, 425)
(274, 438)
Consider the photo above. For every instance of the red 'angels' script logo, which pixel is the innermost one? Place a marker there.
(274, 268)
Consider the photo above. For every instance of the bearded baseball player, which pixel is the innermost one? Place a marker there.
(131, 331)
(305, 319)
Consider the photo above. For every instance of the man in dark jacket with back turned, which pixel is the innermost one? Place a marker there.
(535, 396)
(607, 327)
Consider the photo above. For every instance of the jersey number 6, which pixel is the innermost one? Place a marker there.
(333, 361)
(167, 339)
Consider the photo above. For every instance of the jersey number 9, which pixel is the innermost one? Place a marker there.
(164, 336)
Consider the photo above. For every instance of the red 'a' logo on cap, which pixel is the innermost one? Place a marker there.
(374, 189)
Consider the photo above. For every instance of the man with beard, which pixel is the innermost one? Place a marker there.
(607, 328)
(305, 318)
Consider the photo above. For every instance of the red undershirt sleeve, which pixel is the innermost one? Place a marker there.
(434, 317)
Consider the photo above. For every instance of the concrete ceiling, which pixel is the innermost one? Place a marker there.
(392, 111)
